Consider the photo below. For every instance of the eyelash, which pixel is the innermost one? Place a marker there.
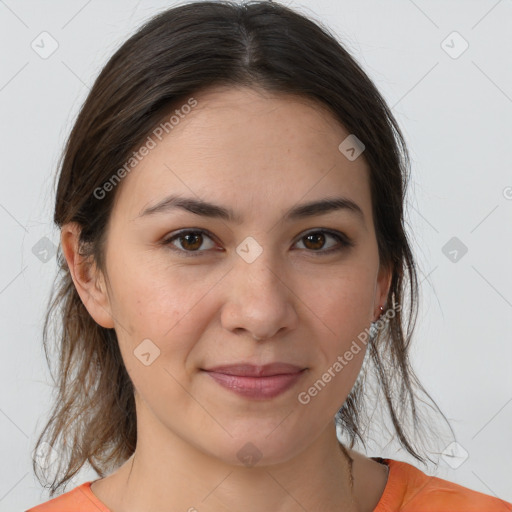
(344, 241)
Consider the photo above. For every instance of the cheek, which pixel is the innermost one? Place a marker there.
(343, 303)
(162, 314)
(152, 296)
(159, 340)
(342, 319)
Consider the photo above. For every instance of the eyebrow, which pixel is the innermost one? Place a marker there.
(206, 209)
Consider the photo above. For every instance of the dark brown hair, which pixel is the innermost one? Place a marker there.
(180, 52)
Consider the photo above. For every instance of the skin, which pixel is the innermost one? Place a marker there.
(258, 154)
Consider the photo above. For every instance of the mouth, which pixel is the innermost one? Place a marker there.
(257, 382)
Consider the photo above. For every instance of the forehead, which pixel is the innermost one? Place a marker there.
(243, 118)
(247, 146)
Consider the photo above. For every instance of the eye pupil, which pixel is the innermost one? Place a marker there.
(315, 236)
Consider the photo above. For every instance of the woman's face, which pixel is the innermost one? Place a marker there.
(261, 288)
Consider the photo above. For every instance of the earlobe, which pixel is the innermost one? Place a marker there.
(87, 278)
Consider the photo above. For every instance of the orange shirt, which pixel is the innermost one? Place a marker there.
(407, 490)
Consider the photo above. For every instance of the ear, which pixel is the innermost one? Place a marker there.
(382, 289)
(88, 279)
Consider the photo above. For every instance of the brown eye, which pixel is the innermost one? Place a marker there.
(315, 241)
(189, 241)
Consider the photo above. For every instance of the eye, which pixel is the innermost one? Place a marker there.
(189, 240)
(315, 241)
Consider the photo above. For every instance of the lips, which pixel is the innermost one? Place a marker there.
(257, 382)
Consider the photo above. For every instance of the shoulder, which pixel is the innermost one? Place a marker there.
(410, 490)
(79, 499)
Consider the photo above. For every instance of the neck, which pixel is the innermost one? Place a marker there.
(167, 473)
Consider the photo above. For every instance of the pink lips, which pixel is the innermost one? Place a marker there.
(258, 382)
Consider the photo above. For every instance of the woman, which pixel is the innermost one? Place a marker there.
(233, 254)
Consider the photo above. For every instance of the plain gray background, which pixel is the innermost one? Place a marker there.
(455, 109)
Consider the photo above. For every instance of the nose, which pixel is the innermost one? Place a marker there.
(259, 300)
